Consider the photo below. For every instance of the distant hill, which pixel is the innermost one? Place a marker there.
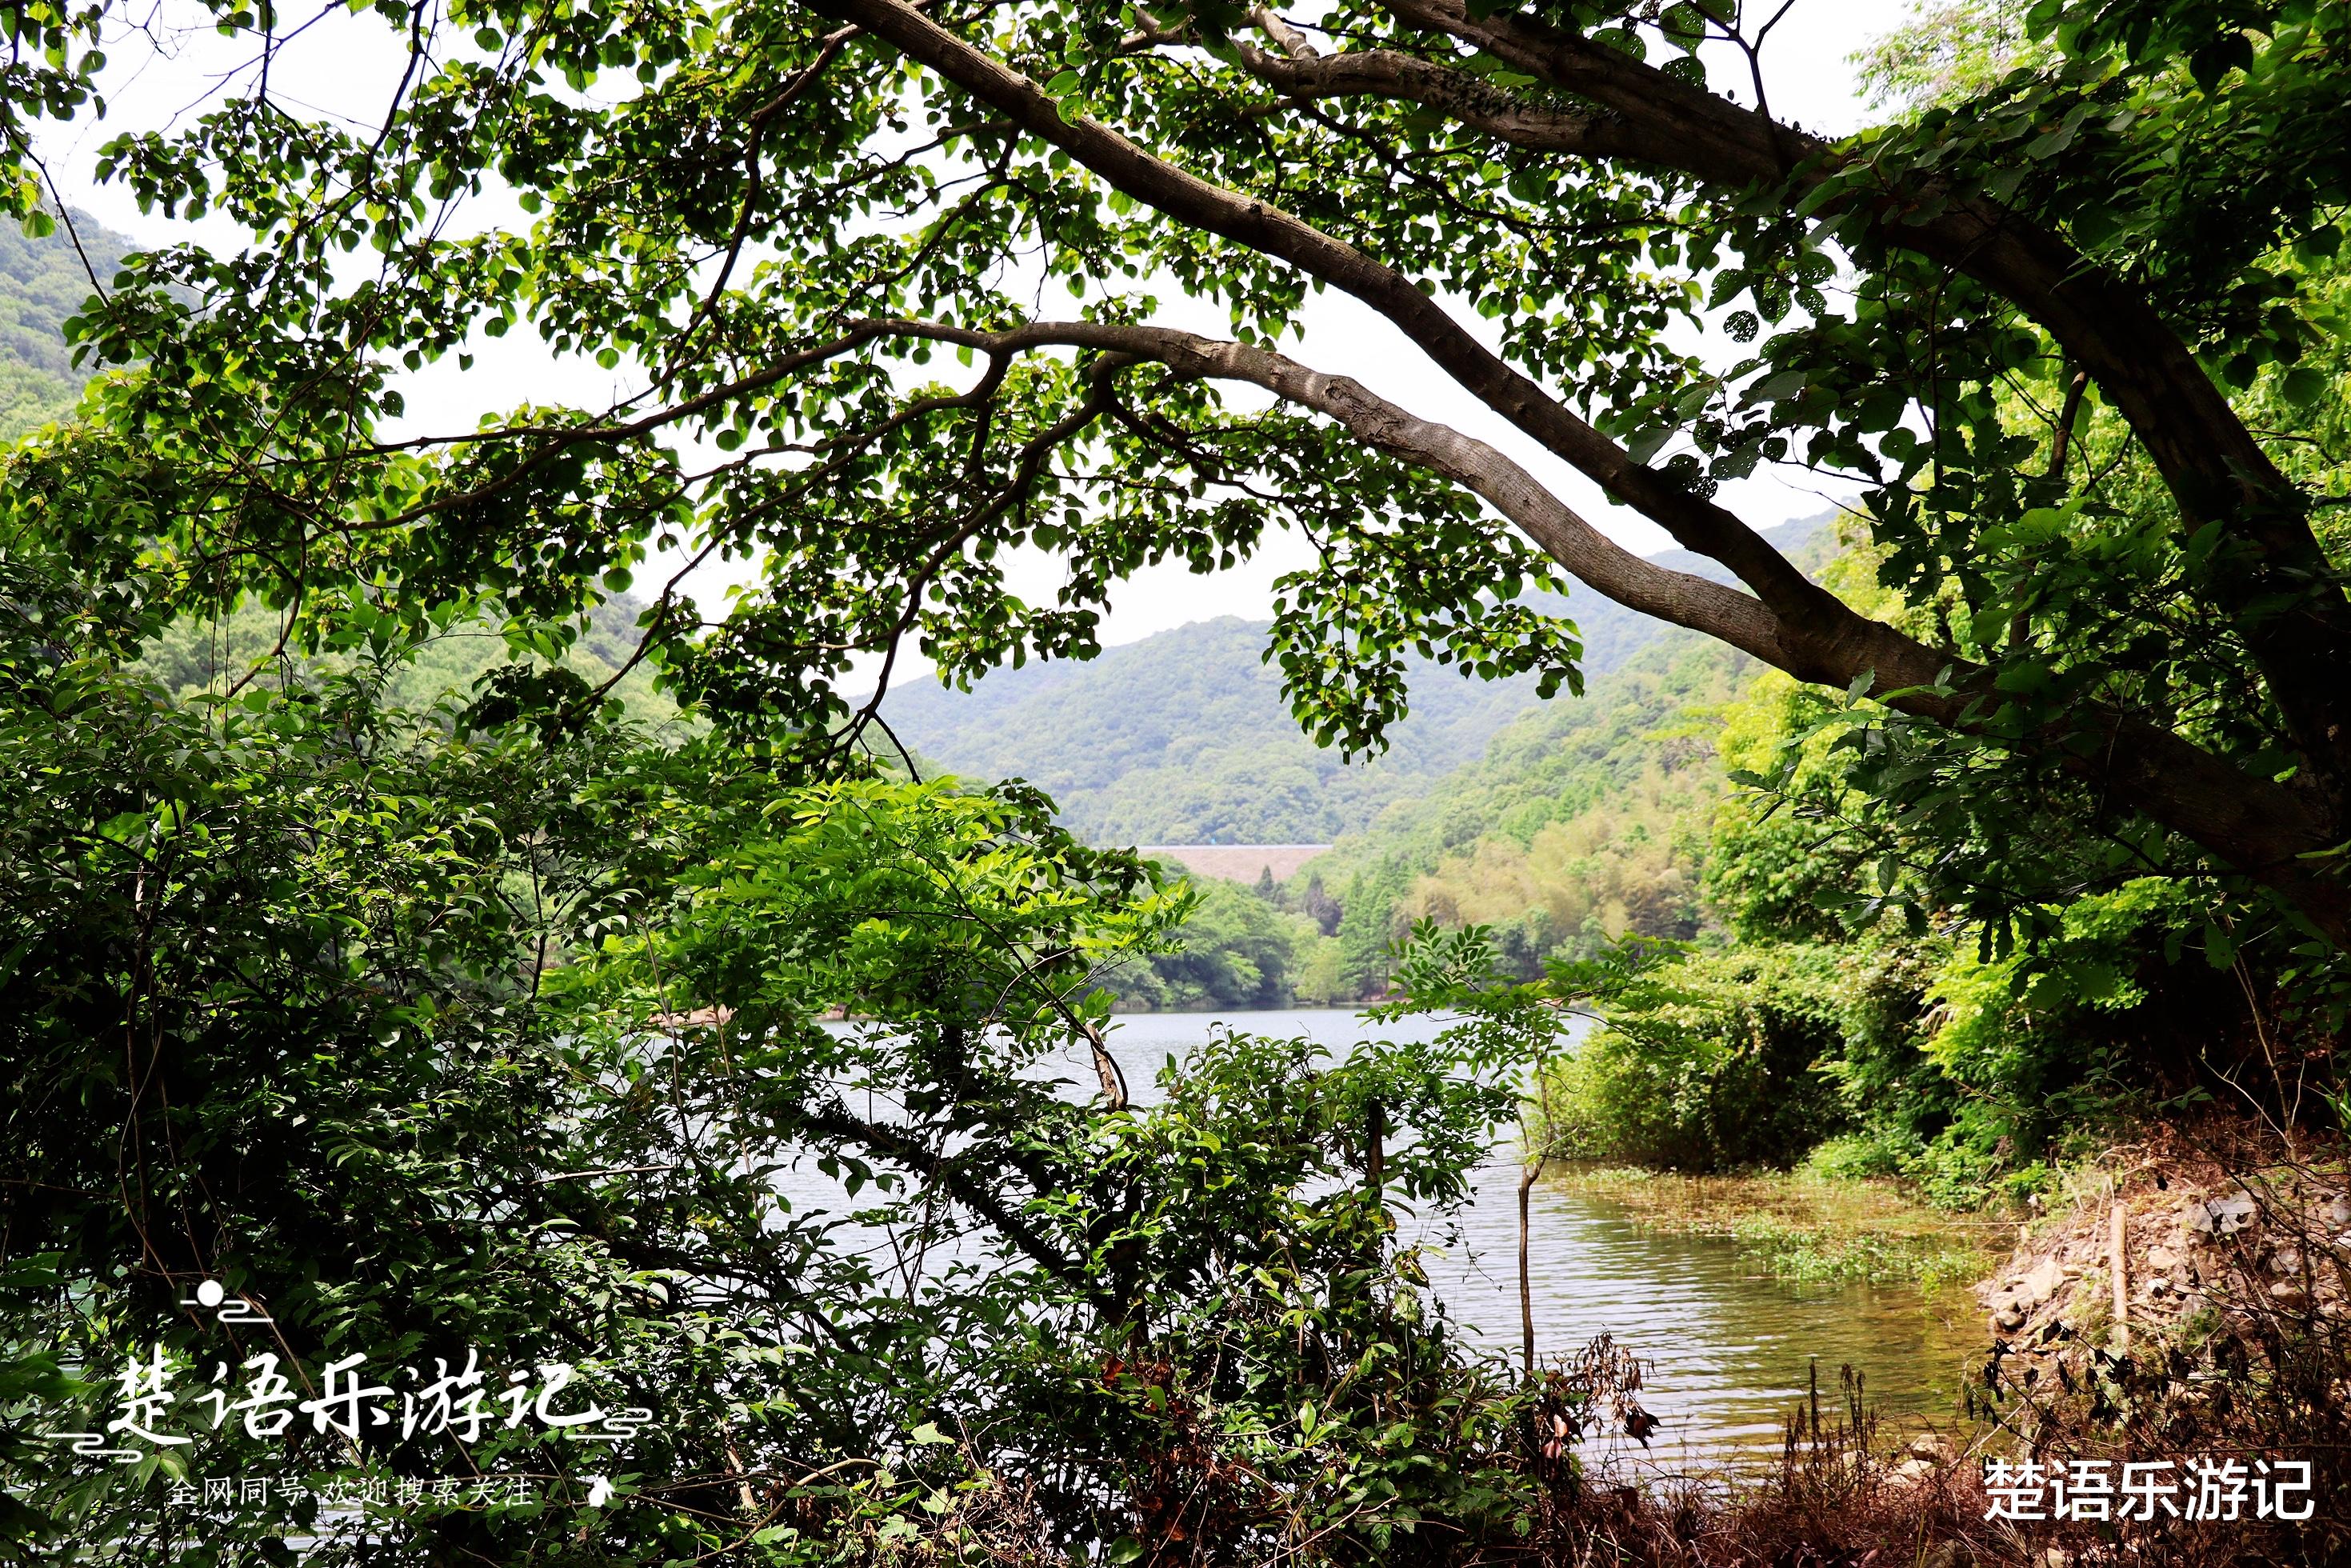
(1184, 738)
(43, 282)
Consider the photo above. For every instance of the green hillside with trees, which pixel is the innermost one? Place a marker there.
(44, 281)
(1584, 820)
(1185, 737)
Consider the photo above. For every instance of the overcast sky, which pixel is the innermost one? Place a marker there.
(352, 65)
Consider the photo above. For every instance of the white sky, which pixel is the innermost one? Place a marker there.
(350, 67)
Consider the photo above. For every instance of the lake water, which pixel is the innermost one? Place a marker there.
(1729, 1353)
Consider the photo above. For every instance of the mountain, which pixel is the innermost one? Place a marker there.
(1185, 737)
(43, 282)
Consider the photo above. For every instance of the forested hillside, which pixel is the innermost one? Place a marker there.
(43, 282)
(1184, 738)
(1583, 820)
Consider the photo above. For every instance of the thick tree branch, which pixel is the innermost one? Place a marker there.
(1478, 104)
(1696, 523)
(2279, 590)
(2258, 827)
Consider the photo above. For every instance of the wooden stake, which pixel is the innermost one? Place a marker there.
(1527, 1176)
(2117, 1244)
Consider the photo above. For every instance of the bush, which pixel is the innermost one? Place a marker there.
(1707, 1063)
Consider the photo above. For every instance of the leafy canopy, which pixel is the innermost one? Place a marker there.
(2072, 328)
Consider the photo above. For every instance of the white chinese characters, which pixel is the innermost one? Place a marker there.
(2198, 1491)
(348, 1404)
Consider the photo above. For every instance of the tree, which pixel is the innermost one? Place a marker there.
(2077, 316)
(426, 1034)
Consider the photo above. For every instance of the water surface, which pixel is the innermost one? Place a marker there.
(1730, 1353)
(1727, 1351)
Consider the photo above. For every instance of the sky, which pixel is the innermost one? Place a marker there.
(342, 67)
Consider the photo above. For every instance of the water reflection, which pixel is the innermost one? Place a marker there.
(1730, 1353)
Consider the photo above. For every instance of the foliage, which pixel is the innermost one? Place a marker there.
(1961, 1068)
(1706, 1064)
(430, 1033)
(1948, 51)
(2103, 1017)
(1238, 952)
(500, 1024)
(2101, 482)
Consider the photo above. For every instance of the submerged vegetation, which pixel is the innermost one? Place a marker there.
(1816, 1222)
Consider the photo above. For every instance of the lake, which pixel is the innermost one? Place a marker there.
(1729, 1353)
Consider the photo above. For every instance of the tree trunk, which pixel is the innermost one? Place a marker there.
(1527, 1176)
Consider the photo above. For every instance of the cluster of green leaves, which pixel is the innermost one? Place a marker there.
(2012, 513)
(1829, 1016)
(433, 1033)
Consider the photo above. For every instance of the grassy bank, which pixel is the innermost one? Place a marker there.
(1800, 1225)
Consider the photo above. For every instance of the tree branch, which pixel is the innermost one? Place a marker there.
(1806, 611)
(2279, 591)
(2258, 827)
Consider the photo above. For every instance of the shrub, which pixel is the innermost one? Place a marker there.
(1707, 1063)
